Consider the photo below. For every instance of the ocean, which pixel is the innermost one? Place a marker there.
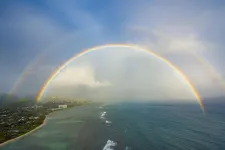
(129, 126)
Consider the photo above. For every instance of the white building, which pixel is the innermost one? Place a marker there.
(62, 106)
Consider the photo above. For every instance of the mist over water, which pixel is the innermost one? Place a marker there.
(120, 74)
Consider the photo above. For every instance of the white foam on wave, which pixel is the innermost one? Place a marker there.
(109, 145)
(100, 107)
(103, 115)
(108, 122)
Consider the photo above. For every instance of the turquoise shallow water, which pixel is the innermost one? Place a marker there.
(129, 126)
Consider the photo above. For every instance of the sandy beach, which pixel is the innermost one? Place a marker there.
(19, 137)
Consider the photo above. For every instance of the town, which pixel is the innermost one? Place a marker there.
(16, 121)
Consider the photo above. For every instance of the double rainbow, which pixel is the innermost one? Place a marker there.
(134, 47)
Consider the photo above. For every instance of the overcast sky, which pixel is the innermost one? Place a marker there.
(36, 37)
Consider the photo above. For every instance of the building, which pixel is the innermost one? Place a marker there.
(62, 106)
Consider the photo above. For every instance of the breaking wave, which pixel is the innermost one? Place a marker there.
(109, 145)
(103, 115)
(108, 122)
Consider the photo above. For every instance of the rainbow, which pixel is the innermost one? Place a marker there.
(54, 74)
(37, 60)
(211, 69)
(201, 60)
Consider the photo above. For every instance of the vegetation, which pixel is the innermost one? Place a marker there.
(21, 115)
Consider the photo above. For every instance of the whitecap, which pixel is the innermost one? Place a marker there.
(108, 122)
(109, 145)
(103, 115)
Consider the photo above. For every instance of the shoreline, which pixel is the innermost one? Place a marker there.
(31, 131)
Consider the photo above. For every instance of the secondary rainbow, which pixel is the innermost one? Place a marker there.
(134, 47)
(212, 70)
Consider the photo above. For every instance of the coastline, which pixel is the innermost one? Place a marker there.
(19, 137)
(31, 131)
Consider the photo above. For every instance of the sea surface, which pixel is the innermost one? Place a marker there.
(129, 126)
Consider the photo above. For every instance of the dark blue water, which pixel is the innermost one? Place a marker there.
(130, 126)
(144, 126)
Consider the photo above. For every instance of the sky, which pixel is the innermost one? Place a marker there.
(132, 75)
(36, 37)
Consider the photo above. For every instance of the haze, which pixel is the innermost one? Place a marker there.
(122, 74)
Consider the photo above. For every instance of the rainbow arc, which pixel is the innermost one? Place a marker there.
(134, 47)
